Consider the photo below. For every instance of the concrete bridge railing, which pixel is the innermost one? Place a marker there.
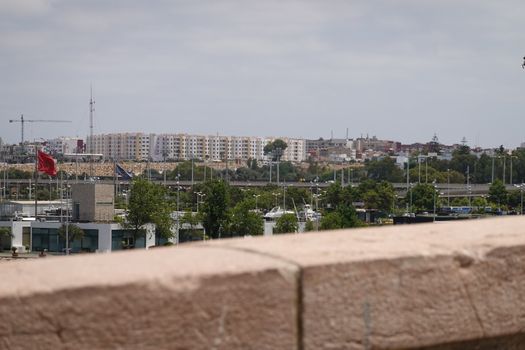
(435, 286)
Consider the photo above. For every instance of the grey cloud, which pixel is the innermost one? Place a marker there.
(398, 69)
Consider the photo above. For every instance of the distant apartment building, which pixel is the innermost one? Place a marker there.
(122, 146)
(363, 144)
(337, 150)
(160, 147)
(65, 145)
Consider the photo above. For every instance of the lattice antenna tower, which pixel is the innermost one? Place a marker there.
(91, 113)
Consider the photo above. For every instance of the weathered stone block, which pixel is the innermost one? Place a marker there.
(442, 285)
(178, 298)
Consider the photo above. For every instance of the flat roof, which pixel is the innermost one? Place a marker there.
(32, 202)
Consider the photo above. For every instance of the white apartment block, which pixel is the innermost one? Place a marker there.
(65, 145)
(141, 146)
(123, 146)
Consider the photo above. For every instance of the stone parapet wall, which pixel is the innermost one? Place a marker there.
(434, 286)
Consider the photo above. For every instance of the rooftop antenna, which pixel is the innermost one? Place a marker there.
(346, 134)
(464, 141)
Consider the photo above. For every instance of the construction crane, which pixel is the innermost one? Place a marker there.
(22, 121)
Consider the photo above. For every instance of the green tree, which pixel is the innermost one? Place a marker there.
(73, 233)
(371, 199)
(462, 160)
(287, 223)
(148, 204)
(514, 199)
(423, 196)
(333, 196)
(309, 226)
(384, 169)
(297, 195)
(460, 202)
(215, 207)
(275, 148)
(289, 172)
(252, 163)
(498, 193)
(244, 221)
(331, 221)
(5, 232)
(349, 216)
(344, 217)
(479, 204)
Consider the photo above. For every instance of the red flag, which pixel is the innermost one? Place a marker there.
(46, 164)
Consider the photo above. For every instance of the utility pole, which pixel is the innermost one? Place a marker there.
(448, 187)
(178, 210)
(492, 177)
(468, 185)
(408, 183)
(279, 153)
(419, 169)
(192, 156)
(504, 163)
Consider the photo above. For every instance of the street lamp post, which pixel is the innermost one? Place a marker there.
(279, 153)
(256, 197)
(275, 194)
(435, 190)
(521, 190)
(469, 189)
(270, 166)
(410, 208)
(284, 197)
(178, 210)
(521, 187)
(192, 170)
(504, 163)
(419, 169)
(408, 185)
(492, 172)
(316, 196)
(426, 169)
(200, 196)
(448, 187)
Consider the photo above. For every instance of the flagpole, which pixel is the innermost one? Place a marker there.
(36, 198)
(36, 182)
(115, 190)
(67, 220)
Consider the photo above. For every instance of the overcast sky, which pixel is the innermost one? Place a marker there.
(400, 70)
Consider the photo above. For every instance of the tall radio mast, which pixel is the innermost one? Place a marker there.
(91, 110)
